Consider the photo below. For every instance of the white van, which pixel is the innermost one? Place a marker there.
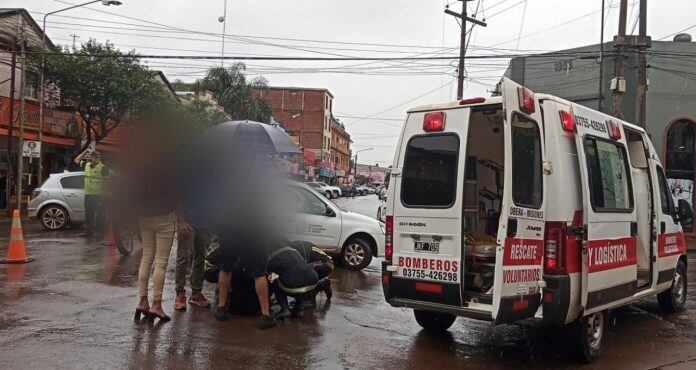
(527, 206)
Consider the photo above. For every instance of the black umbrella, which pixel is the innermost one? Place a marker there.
(228, 177)
(250, 136)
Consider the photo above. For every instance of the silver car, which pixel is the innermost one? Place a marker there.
(59, 201)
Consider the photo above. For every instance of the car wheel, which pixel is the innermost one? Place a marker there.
(674, 299)
(328, 194)
(54, 217)
(590, 333)
(434, 322)
(356, 254)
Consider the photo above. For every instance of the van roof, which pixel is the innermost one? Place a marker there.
(455, 104)
(499, 100)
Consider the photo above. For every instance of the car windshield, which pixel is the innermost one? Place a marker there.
(313, 184)
(322, 184)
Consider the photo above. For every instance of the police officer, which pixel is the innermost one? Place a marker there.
(95, 172)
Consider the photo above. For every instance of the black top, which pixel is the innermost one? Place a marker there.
(294, 274)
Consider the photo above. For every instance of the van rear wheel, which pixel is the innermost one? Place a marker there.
(674, 299)
(434, 322)
(590, 333)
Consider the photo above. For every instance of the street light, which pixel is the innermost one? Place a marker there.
(356, 161)
(41, 87)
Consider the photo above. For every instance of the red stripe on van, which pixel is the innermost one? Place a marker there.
(671, 244)
(523, 252)
(608, 254)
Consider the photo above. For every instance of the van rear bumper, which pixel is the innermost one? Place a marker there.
(555, 301)
(437, 307)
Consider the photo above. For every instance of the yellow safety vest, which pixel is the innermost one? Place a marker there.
(94, 179)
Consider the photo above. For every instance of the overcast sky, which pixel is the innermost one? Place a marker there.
(370, 97)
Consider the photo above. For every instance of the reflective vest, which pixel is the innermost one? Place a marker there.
(93, 179)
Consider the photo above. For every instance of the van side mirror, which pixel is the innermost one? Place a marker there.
(685, 214)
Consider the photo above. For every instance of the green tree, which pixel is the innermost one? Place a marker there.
(235, 93)
(104, 86)
(202, 114)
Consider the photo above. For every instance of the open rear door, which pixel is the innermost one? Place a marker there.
(609, 267)
(519, 255)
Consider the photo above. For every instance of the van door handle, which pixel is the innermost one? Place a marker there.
(512, 227)
(71, 195)
(663, 227)
(634, 228)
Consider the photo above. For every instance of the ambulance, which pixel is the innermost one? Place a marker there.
(526, 206)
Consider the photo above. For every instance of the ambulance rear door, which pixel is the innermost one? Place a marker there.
(520, 239)
(428, 180)
(609, 264)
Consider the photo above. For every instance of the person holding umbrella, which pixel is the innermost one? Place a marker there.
(230, 194)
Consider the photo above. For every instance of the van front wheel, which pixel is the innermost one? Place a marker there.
(434, 322)
(590, 332)
(674, 299)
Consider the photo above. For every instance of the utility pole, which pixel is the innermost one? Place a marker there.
(10, 125)
(74, 37)
(642, 45)
(22, 115)
(462, 44)
(618, 84)
(601, 62)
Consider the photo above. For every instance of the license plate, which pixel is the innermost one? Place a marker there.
(427, 247)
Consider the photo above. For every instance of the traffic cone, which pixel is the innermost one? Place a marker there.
(16, 252)
(110, 237)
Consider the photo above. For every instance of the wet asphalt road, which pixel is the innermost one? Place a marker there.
(73, 308)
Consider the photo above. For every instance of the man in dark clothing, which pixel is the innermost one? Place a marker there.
(296, 278)
(320, 262)
(95, 173)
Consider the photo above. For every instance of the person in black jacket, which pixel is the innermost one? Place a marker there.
(320, 262)
(296, 278)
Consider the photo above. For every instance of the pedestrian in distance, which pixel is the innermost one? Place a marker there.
(190, 258)
(95, 174)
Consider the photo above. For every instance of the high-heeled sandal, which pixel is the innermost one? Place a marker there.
(152, 315)
(139, 312)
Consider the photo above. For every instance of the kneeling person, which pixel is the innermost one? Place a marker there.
(295, 279)
(320, 262)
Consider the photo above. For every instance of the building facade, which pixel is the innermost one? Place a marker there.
(305, 114)
(340, 151)
(671, 97)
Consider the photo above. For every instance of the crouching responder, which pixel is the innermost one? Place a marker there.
(296, 278)
(320, 262)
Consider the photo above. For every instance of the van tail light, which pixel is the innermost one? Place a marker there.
(567, 121)
(389, 238)
(472, 101)
(526, 99)
(434, 121)
(614, 129)
(555, 249)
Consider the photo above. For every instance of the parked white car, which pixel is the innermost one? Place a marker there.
(59, 201)
(354, 237)
(322, 189)
(335, 190)
(382, 210)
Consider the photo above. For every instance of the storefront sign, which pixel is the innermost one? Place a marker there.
(32, 149)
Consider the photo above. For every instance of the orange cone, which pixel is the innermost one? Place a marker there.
(16, 253)
(110, 238)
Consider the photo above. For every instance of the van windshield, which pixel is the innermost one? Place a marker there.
(430, 171)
